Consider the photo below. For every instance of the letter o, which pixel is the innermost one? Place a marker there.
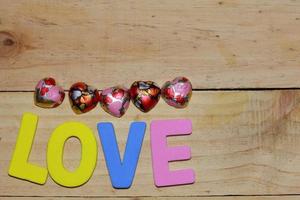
(55, 152)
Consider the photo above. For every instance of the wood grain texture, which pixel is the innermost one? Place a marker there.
(295, 197)
(243, 143)
(216, 43)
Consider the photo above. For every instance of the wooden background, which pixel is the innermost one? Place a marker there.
(242, 56)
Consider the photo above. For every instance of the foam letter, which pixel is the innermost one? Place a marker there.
(19, 166)
(88, 154)
(162, 154)
(121, 172)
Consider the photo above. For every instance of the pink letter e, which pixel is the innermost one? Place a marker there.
(162, 154)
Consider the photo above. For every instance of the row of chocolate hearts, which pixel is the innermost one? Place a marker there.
(114, 100)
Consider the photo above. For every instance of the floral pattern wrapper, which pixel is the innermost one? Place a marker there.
(144, 95)
(83, 97)
(178, 92)
(115, 100)
(47, 94)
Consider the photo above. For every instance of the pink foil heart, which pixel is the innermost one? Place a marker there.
(47, 94)
(178, 92)
(115, 100)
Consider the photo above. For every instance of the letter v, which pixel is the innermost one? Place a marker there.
(121, 172)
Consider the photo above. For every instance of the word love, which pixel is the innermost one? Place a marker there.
(121, 171)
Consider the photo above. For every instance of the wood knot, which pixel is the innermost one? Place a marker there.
(9, 44)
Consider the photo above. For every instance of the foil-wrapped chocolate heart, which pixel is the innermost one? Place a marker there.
(178, 92)
(47, 94)
(144, 95)
(115, 100)
(83, 97)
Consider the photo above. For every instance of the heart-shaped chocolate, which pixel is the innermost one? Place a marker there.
(144, 95)
(83, 97)
(47, 94)
(178, 92)
(115, 100)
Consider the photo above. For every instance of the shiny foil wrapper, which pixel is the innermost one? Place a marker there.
(178, 92)
(115, 100)
(144, 95)
(48, 94)
(83, 97)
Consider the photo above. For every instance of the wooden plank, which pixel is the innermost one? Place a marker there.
(162, 198)
(243, 143)
(216, 43)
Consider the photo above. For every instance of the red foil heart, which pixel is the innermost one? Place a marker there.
(178, 92)
(115, 100)
(83, 97)
(47, 94)
(144, 95)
